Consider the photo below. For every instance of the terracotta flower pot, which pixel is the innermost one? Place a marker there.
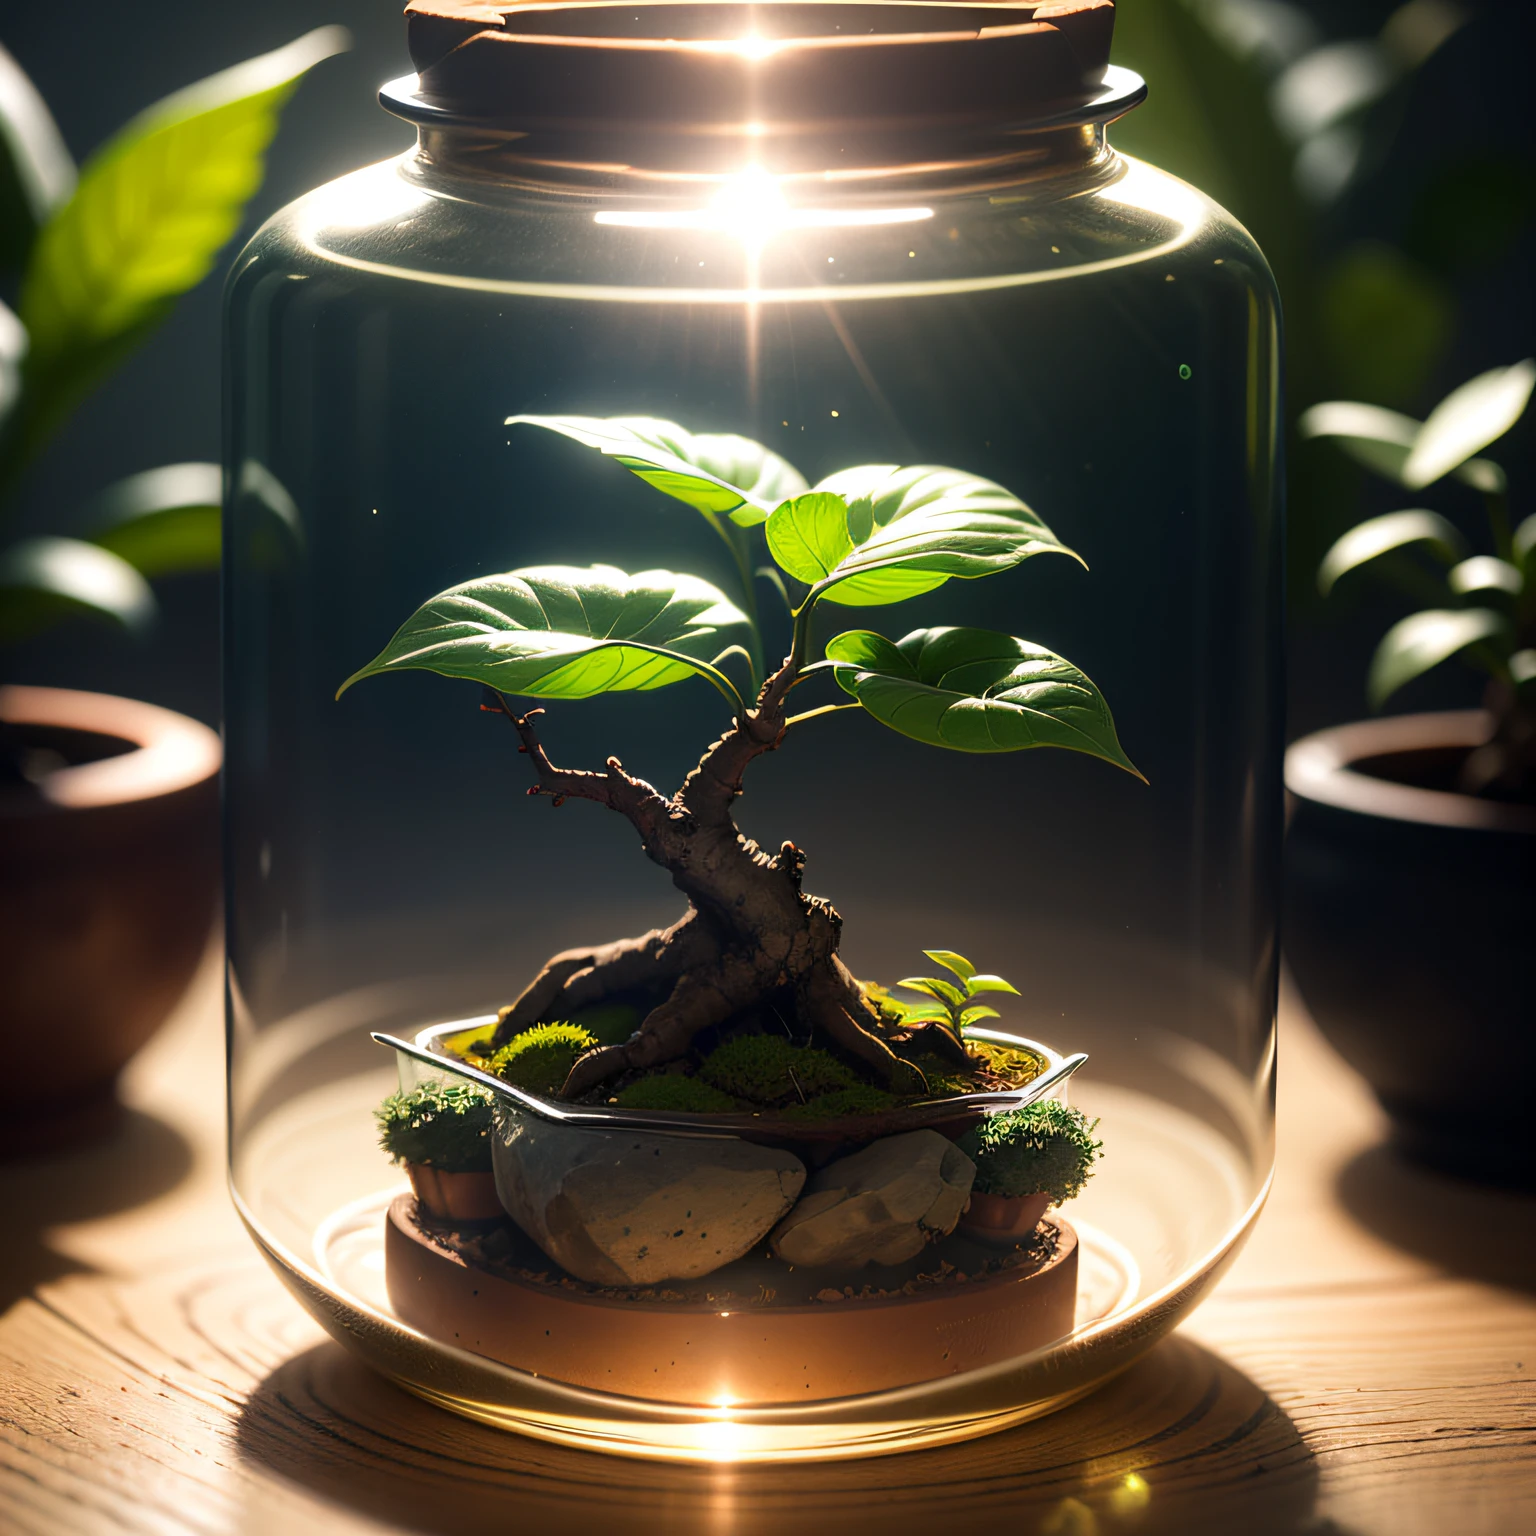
(1410, 929)
(109, 861)
(455, 1196)
(1003, 1218)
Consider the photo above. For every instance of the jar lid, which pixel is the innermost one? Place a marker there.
(766, 71)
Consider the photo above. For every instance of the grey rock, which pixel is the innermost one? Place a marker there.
(631, 1208)
(880, 1205)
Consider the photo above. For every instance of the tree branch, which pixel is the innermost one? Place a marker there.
(709, 791)
(633, 798)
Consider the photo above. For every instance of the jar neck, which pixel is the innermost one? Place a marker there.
(478, 163)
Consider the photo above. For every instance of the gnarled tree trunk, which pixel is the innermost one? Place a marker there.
(750, 930)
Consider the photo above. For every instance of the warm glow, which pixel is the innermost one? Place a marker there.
(751, 206)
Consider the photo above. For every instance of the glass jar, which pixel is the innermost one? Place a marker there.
(856, 235)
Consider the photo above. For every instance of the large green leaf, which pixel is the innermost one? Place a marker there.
(1469, 418)
(1423, 640)
(164, 520)
(1378, 536)
(152, 210)
(977, 691)
(1382, 440)
(566, 632)
(1485, 573)
(36, 171)
(901, 531)
(713, 472)
(46, 579)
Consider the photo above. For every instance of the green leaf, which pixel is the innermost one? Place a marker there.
(566, 632)
(45, 579)
(1423, 640)
(920, 1013)
(13, 349)
(36, 170)
(977, 1012)
(932, 986)
(1378, 536)
(951, 961)
(1524, 547)
(164, 520)
(988, 983)
(1469, 418)
(911, 529)
(1485, 573)
(151, 212)
(808, 536)
(716, 473)
(978, 691)
(1382, 440)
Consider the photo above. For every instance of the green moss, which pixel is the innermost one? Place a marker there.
(862, 1100)
(767, 1069)
(541, 1058)
(1045, 1148)
(943, 1080)
(447, 1125)
(673, 1091)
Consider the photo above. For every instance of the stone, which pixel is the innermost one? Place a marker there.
(879, 1205)
(631, 1208)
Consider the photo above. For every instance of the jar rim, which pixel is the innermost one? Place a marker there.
(788, 71)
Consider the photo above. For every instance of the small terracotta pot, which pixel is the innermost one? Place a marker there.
(1003, 1218)
(455, 1196)
(109, 867)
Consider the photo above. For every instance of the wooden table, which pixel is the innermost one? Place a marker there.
(1366, 1367)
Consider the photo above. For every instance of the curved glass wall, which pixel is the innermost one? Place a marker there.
(1083, 330)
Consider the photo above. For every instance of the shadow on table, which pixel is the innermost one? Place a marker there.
(1181, 1442)
(1484, 1234)
(141, 1160)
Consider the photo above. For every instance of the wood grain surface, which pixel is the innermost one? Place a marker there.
(1366, 1367)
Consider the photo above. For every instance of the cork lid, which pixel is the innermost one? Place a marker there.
(733, 67)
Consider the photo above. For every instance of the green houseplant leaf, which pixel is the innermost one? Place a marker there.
(910, 530)
(717, 473)
(567, 632)
(13, 350)
(1469, 418)
(146, 222)
(955, 963)
(164, 520)
(1423, 640)
(1378, 536)
(36, 171)
(977, 691)
(42, 579)
(1485, 573)
(1382, 441)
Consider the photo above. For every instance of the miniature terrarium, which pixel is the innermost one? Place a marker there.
(736, 989)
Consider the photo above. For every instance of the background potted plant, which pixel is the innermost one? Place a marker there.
(108, 860)
(1412, 847)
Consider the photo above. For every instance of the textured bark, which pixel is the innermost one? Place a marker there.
(750, 930)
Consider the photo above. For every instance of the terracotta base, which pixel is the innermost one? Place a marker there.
(697, 1349)
(1001, 1219)
(455, 1196)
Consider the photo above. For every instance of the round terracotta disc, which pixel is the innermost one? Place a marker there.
(691, 1350)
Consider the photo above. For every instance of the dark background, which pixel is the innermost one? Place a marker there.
(97, 62)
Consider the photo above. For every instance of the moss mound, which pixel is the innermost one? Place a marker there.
(1046, 1148)
(446, 1125)
(862, 1100)
(540, 1059)
(672, 1091)
(768, 1070)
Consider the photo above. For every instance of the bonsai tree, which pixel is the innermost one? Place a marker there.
(866, 537)
(1482, 606)
(95, 260)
